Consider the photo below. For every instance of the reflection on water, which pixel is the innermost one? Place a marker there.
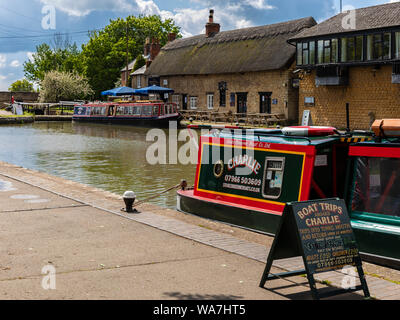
(109, 157)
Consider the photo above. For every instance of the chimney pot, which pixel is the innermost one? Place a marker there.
(211, 27)
(211, 17)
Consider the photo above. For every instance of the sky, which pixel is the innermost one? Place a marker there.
(24, 24)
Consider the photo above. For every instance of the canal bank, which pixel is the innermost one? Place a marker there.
(101, 253)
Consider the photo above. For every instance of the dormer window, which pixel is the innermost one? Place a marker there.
(378, 46)
(397, 41)
(352, 49)
(327, 51)
(306, 53)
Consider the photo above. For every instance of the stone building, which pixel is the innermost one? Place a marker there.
(351, 58)
(137, 78)
(244, 70)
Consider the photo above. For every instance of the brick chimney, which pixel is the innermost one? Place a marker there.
(146, 51)
(171, 36)
(155, 48)
(151, 50)
(212, 28)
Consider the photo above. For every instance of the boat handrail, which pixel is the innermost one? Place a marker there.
(267, 134)
(283, 136)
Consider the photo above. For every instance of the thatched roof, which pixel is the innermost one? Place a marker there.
(375, 17)
(242, 50)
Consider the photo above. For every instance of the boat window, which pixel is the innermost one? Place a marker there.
(120, 111)
(273, 177)
(147, 110)
(377, 186)
(136, 110)
(98, 111)
(155, 110)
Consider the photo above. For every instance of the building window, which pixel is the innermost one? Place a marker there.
(222, 93)
(312, 52)
(210, 101)
(232, 100)
(193, 102)
(306, 53)
(138, 81)
(397, 37)
(299, 53)
(176, 98)
(378, 46)
(327, 51)
(352, 49)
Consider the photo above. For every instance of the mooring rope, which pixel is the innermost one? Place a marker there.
(156, 195)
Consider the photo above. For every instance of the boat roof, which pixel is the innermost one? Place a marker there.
(276, 136)
(394, 142)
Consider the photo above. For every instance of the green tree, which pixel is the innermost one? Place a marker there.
(105, 53)
(21, 86)
(61, 85)
(47, 59)
(140, 62)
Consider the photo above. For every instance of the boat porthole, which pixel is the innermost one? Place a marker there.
(218, 169)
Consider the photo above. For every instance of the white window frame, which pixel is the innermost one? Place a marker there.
(193, 103)
(210, 101)
(138, 82)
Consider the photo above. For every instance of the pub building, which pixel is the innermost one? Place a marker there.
(354, 58)
(247, 70)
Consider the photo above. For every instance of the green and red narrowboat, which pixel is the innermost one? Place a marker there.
(246, 180)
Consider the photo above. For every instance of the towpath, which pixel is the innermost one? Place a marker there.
(98, 252)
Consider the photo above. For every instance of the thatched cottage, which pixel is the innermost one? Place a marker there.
(245, 70)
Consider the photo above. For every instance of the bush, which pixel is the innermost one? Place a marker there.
(64, 86)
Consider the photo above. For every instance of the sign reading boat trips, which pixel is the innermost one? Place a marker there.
(320, 232)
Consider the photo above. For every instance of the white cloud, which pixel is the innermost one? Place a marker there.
(15, 64)
(192, 20)
(84, 7)
(259, 4)
(30, 54)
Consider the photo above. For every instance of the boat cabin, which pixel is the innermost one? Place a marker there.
(246, 181)
(140, 112)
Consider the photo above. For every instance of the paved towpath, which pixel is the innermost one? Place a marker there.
(98, 252)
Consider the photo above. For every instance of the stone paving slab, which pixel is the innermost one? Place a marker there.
(196, 233)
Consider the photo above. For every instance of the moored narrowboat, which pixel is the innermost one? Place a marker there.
(140, 113)
(246, 180)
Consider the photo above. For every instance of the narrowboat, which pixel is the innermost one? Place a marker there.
(245, 178)
(139, 113)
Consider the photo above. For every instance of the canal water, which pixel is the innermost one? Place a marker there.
(108, 157)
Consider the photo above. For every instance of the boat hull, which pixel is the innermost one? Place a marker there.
(242, 217)
(370, 242)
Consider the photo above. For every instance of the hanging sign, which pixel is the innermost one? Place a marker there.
(320, 232)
